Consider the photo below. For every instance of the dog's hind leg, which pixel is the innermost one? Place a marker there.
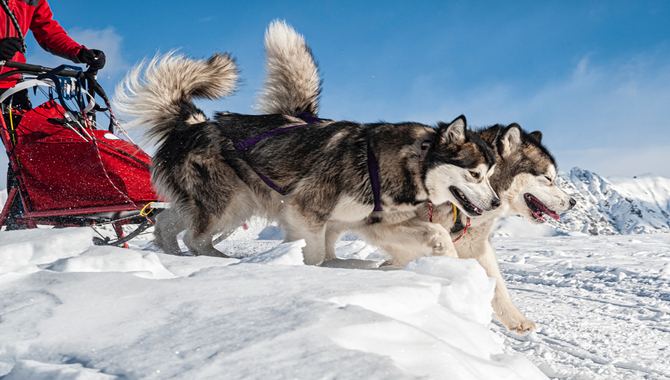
(168, 225)
(201, 244)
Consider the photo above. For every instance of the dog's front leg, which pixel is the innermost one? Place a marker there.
(334, 230)
(299, 226)
(480, 249)
(439, 241)
(410, 240)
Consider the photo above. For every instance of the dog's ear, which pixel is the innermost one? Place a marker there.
(510, 140)
(453, 133)
(537, 135)
(491, 134)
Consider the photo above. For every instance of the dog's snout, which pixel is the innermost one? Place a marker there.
(495, 203)
(573, 202)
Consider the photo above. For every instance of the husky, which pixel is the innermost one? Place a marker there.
(524, 179)
(289, 166)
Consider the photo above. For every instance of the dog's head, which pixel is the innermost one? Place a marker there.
(525, 177)
(457, 167)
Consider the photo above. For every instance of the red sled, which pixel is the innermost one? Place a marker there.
(64, 172)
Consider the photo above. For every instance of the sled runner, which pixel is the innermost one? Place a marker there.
(64, 170)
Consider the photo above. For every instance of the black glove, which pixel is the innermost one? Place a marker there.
(95, 59)
(9, 47)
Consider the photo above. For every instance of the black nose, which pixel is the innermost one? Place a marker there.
(495, 203)
(573, 202)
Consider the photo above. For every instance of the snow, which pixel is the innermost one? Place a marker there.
(78, 311)
(602, 304)
(72, 310)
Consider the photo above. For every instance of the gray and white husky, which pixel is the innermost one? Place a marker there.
(524, 179)
(289, 166)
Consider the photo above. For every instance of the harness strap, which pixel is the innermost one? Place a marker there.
(248, 143)
(240, 146)
(373, 165)
(430, 212)
(269, 182)
(464, 230)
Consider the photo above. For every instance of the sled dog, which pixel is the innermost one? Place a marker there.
(524, 179)
(290, 166)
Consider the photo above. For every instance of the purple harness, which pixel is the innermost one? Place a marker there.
(373, 166)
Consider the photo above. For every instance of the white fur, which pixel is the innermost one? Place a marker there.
(152, 91)
(544, 190)
(479, 192)
(292, 80)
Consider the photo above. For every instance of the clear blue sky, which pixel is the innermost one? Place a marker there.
(593, 76)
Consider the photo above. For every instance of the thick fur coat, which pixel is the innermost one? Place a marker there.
(288, 166)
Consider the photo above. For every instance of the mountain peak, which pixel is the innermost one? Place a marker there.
(610, 206)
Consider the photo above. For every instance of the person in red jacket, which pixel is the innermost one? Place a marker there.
(36, 15)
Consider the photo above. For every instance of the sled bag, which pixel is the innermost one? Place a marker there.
(63, 170)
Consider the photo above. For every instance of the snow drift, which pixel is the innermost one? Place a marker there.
(73, 310)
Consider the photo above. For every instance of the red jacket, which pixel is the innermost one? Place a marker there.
(36, 16)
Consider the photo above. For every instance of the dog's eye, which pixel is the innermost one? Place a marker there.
(548, 179)
(474, 175)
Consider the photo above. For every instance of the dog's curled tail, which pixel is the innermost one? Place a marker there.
(292, 83)
(158, 94)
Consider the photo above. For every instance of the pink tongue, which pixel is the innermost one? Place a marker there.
(553, 214)
(543, 209)
(538, 216)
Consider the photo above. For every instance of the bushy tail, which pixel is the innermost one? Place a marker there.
(158, 94)
(292, 84)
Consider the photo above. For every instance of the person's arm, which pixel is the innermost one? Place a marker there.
(53, 38)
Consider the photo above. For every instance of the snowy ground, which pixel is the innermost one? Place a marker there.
(68, 309)
(602, 304)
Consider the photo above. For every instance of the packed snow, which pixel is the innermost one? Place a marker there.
(72, 310)
(71, 307)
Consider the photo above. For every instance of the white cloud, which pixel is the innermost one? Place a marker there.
(106, 40)
(109, 42)
(611, 118)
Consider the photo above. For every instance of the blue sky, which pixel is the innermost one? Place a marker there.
(593, 76)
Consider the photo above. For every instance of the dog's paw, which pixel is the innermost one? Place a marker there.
(442, 248)
(512, 318)
(519, 325)
(523, 328)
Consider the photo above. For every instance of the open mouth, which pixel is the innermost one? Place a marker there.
(538, 209)
(465, 202)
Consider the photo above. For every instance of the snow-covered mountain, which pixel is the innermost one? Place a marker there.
(614, 205)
